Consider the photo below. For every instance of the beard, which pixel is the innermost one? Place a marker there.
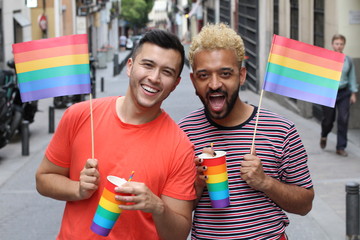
(228, 105)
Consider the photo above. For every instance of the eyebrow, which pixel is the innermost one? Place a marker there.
(227, 69)
(221, 69)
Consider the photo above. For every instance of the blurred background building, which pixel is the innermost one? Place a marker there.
(310, 21)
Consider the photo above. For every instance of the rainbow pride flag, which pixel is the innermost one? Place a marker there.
(52, 67)
(303, 71)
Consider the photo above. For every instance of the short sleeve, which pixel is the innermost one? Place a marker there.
(180, 182)
(58, 150)
(294, 162)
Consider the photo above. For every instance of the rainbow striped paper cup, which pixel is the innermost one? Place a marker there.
(217, 182)
(108, 210)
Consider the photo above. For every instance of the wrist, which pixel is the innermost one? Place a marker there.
(77, 195)
(267, 184)
(159, 208)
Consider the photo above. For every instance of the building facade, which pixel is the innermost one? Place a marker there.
(36, 19)
(15, 27)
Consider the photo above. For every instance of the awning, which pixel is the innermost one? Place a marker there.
(21, 20)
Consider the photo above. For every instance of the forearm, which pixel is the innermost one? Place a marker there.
(57, 186)
(199, 191)
(171, 225)
(291, 198)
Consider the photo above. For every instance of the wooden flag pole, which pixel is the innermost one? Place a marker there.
(92, 128)
(256, 122)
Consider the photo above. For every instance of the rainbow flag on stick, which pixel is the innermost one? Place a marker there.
(303, 71)
(52, 67)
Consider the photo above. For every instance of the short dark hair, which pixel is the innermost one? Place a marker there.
(163, 39)
(338, 36)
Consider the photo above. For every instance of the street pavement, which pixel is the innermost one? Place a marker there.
(24, 214)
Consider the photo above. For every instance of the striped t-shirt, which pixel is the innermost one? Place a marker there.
(251, 214)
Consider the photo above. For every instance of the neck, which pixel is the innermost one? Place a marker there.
(129, 113)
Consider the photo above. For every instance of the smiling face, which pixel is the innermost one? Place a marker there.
(217, 78)
(153, 75)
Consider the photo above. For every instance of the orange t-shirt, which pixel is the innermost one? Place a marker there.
(159, 152)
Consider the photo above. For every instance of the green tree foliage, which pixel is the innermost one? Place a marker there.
(135, 12)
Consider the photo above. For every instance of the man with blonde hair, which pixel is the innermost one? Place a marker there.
(262, 185)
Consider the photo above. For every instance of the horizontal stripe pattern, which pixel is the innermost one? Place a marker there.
(304, 67)
(302, 76)
(107, 214)
(283, 81)
(251, 215)
(303, 71)
(52, 67)
(306, 57)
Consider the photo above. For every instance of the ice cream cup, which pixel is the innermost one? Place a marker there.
(108, 210)
(217, 181)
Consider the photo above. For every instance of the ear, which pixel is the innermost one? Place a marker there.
(129, 65)
(242, 75)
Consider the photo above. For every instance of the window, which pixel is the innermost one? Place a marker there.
(1, 38)
(319, 23)
(294, 19)
(276, 17)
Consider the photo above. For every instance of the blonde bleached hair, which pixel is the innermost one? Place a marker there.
(217, 36)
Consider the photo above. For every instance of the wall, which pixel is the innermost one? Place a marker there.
(49, 13)
(68, 14)
(8, 8)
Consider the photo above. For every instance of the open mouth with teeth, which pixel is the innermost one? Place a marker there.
(217, 102)
(149, 89)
